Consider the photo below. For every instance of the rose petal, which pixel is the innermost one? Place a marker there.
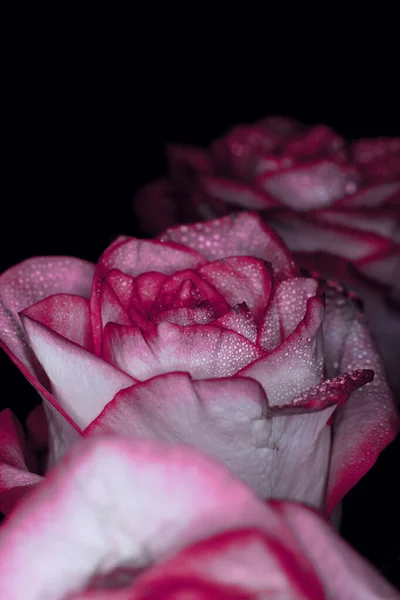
(308, 187)
(237, 152)
(226, 418)
(302, 440)
(285, 310)
(381, 223)
(241, 279)
(171, 291)
(272, 164)
(242, 234)
(112, 310)
(382, 316)
(204, 351)
(186, 316)
(231, 566)
(368, 421)
(302, 444)
(66, 314)
(133, 257)
(16, 478)
(148, 285)
(120, 301)
(370, 196)
(63, 431)
(369, 150)
(385, 268)
(297, 364)
(331, 391)
(237, 193)
(315, 142)
(112, 489)
(123, 286)
(81, 382)
(239, 319)
(383, 230)
(343, 573)
(307, 234)
(383, 170)
(28, 283)
(229, 419)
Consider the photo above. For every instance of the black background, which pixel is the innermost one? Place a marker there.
(90, 101)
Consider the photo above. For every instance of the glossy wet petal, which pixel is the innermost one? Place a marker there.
(134, 257)
(204, 351)
(68, 315)
(297, 364)
(241, 234)
(240, 280)
(29, 282)
(285, 310)
(368, 421)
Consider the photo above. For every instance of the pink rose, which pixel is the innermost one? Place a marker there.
(337, 206)
(208, 337)
(122, 519)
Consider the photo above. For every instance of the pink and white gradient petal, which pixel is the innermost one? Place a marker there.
(29, 282)
(118, 503)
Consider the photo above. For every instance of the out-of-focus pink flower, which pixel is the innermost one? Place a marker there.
(122, 519)
(337, 206)
(210, 337)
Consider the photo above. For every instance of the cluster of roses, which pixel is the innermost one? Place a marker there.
(209, 396)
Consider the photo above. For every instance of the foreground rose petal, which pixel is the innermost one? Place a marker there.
(208, 337)
(133, 520)
(336, 205)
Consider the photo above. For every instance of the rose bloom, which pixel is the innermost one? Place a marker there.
(337, 206)
(123, 519)
(208, 336)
